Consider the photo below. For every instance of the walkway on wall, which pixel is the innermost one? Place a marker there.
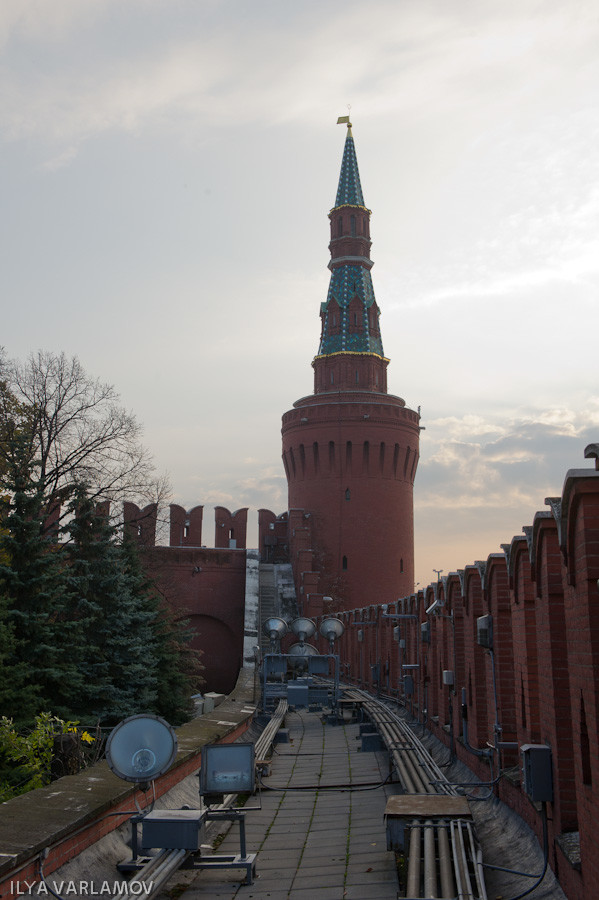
(268, 605)
(320, 832)
(314, 842)
(276, 596)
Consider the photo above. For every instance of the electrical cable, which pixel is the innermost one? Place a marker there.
(123, 812)
(525, 874)
(45, 883)
(361, 786)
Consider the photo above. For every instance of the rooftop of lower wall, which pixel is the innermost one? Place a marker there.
(71, 813)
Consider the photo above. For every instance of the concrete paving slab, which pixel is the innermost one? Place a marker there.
(302, 837)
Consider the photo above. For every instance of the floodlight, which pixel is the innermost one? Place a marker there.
(141, 748)
(332, 629)
(275, 628)
(227, 769)
(303, 628)
(298, 654)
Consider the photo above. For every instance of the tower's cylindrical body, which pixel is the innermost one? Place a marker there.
(350, 450)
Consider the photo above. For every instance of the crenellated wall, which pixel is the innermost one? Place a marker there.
(538, 684)
(204, 586)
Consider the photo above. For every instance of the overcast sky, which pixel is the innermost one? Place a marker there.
(167, 167)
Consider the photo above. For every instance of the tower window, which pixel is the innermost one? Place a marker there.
(344, 563)
(348, 494)
(340, 226)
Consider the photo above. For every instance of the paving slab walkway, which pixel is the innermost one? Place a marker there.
(320, 833)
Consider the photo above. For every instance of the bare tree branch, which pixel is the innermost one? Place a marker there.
(73, 430)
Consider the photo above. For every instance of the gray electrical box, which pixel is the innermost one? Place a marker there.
(318, 665)
(537, 776)
(425, 632)
(408, 685)
(171, 829)
(448, 677)
(297, 694)
(484, 631)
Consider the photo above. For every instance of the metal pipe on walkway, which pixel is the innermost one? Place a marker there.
(268, 735)
(156, 876)
(413, 885)
(451, 858)
(445, 871)
(430, 861)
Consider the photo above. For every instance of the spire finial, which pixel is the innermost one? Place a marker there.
(345, 120)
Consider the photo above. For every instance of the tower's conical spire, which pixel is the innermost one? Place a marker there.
(350, 315)
(349, 191)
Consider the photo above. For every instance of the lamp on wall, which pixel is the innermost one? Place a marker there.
(332, 629)
(276, 628)
(141, 748)
(303, 628)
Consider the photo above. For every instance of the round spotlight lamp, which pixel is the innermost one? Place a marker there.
(303, 628)
(141, 748)
(275, 628)
(299, 653)
(332, 629)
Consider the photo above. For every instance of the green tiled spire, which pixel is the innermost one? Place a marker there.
(347, 282)
(349, 190)
(345, 329)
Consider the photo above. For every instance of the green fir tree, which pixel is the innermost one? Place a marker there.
(33, 587)
(117, 658)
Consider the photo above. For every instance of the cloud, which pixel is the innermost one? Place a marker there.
(490, 464)
(479, 482)
(217, 66)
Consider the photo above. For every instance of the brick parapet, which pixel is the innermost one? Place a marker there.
(543, 595)
(75, 811)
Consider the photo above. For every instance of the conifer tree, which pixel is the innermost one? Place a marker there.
(32, 583)
(117, 661)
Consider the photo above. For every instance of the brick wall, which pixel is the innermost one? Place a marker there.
(542, 593)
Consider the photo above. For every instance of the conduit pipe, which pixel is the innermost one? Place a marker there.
(430, 860)
(268, 735)
(413, 884)
(447, 881)
(450, 849)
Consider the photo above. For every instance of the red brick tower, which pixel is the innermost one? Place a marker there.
(350, 450)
